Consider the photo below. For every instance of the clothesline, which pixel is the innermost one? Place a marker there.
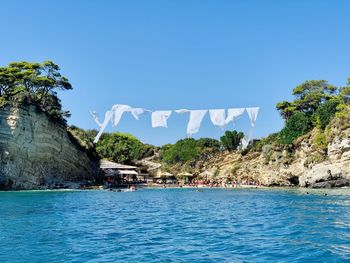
(159, 118)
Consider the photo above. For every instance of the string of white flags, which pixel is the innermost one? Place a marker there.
(219, 117)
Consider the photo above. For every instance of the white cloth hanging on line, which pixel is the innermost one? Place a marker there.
(253, 114)
(234, 114)
(137, 112)
(217, 117)
(159, 118)
(245, 142)
(96, 118)
(118, 111)
(114, 115)
(194, 123)
(108, 117)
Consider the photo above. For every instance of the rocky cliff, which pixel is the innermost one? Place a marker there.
(318, 159)
(38, 153)
(307, 165)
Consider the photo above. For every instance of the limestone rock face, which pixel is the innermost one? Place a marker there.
(37, 153)
(320, 173)
(307, 166)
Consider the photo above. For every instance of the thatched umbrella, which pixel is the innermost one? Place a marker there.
(185, 175)
(166, 175)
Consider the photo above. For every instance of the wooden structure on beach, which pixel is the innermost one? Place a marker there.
(120, 174)
(164, 178)
(187, 177)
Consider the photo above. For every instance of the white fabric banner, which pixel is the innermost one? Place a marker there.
(96, 118)
(234, 114)
(253, 114)
(118, 111)
(159, 118)
(137, 112)
(108, 117)
(194, 123)
(217, 117)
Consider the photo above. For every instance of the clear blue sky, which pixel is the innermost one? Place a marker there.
(171, 54)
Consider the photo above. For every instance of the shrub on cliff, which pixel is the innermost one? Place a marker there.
(208, 143)
(84, 140)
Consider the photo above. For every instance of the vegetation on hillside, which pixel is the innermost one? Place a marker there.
(316, 103)
(189, 150)
(231, 140)
(314, 107)
(310, 117)
(123, 148)
(118, 147)
(84, 140)
(35, 84)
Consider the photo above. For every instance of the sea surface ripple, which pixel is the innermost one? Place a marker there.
(176, 225)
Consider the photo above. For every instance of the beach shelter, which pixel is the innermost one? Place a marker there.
(167, 176)
(118, 173)
(186, 175)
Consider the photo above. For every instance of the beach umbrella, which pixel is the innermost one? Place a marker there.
(166, 175)
(185, 175)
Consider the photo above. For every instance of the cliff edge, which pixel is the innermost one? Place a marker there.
(39, 153)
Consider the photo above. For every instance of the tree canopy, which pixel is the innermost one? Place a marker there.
(298, 124)
(34, 83)
(316, 103)
(231, 140)
(308, 97)
(122, 148)
(182, 151)
(188, 150)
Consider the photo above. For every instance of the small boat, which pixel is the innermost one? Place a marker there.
(129, 190)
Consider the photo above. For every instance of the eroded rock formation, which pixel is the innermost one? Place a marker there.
(38, 153)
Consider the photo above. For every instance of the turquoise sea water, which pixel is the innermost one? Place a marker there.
(175, 225)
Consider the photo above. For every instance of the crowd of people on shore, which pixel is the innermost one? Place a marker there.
(211, 184)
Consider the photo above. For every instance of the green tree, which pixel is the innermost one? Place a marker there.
(345, 92)
(308, 97)
(34, 83)
(208, 143)
(325, 113)
(231, 140)
(122, 148)
(286, 109)
(298, 124)
(182, 151)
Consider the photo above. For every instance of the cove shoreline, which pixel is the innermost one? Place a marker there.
(159, 187)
